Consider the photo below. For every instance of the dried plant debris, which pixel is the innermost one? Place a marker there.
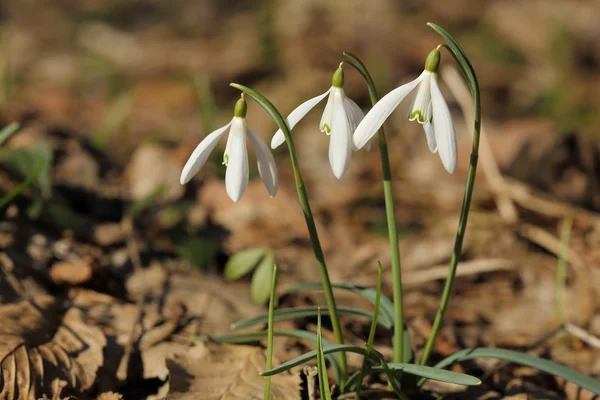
(214, 372)
(44, 354)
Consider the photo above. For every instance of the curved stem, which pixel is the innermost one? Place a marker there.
(469, 74)
(310, 221)
(398, 340)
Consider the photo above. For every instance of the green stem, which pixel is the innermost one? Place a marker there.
(310, 221)
(469, 74)
(270, 331)
(398, 340)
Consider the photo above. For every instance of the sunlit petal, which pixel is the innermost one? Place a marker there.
(443, 127)
(430, 135)
(267, 169)
(355, 114)
(340, 141)
(326, 119)
(380, 112)
(236, 176)
(200, 154)
(295, 116)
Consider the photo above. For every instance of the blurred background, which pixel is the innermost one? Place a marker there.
(120, 92)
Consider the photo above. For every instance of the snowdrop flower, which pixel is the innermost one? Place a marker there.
(235, 157)
(340, 118)
(428, 108)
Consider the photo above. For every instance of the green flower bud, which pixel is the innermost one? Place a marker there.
(241, 108)
(433, 61)
(337, 80)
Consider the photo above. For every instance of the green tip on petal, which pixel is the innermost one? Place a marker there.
(241, 108)
(337, 80)
(433, 60)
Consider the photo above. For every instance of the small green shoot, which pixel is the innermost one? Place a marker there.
(321, 366)
(259, 259)
(561, 269)
(8, 131)
(269, 363)
(260, 289)
(242, 262)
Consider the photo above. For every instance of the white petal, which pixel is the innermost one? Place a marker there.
(443, 127)
(340, 141)
(236, 176)
(295, 117)
(380, 111)
(430, 135)
(267, 169)
(355, 114)
(200, 154)
(420, 109)
(326, 123)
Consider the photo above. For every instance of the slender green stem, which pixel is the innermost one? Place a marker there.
(371, 338)
(310, 221)
(469, 74)
(398, 340)
(270, 331)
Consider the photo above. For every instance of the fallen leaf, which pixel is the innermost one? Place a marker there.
(212, 371)
(72, 272)
(35, 364)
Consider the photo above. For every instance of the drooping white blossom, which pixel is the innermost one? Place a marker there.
(428, 108)
(235, 157)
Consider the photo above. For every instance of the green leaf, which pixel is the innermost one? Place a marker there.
(238, 338)
(287, 314)
(334, 348)
(243, 262)
(8, 131)
(260, 288)
(584, 381)
(10, 196)
(372, 330)
(197, 250)
(434, 373)
(386, 305)
(321, 366)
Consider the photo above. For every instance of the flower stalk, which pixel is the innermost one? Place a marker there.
(310, 221)
(469, 74)
(398, 339)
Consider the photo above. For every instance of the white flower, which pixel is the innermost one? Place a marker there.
(235, 157)
(428, 108)
(340, 117)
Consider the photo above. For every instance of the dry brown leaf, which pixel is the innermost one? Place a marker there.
(73, 272)
(211, 372)
(110, 396)
(34, 364)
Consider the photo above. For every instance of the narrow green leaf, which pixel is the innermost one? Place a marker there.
(243, 262)
(269, 361)
(8, 131)
(387, 307)
(321, 367)
(435, 373)
(371, 337)
(287, 314)
(334, 348)
(260, 288)
(238, 338)
(20, 188)
(585, 382)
